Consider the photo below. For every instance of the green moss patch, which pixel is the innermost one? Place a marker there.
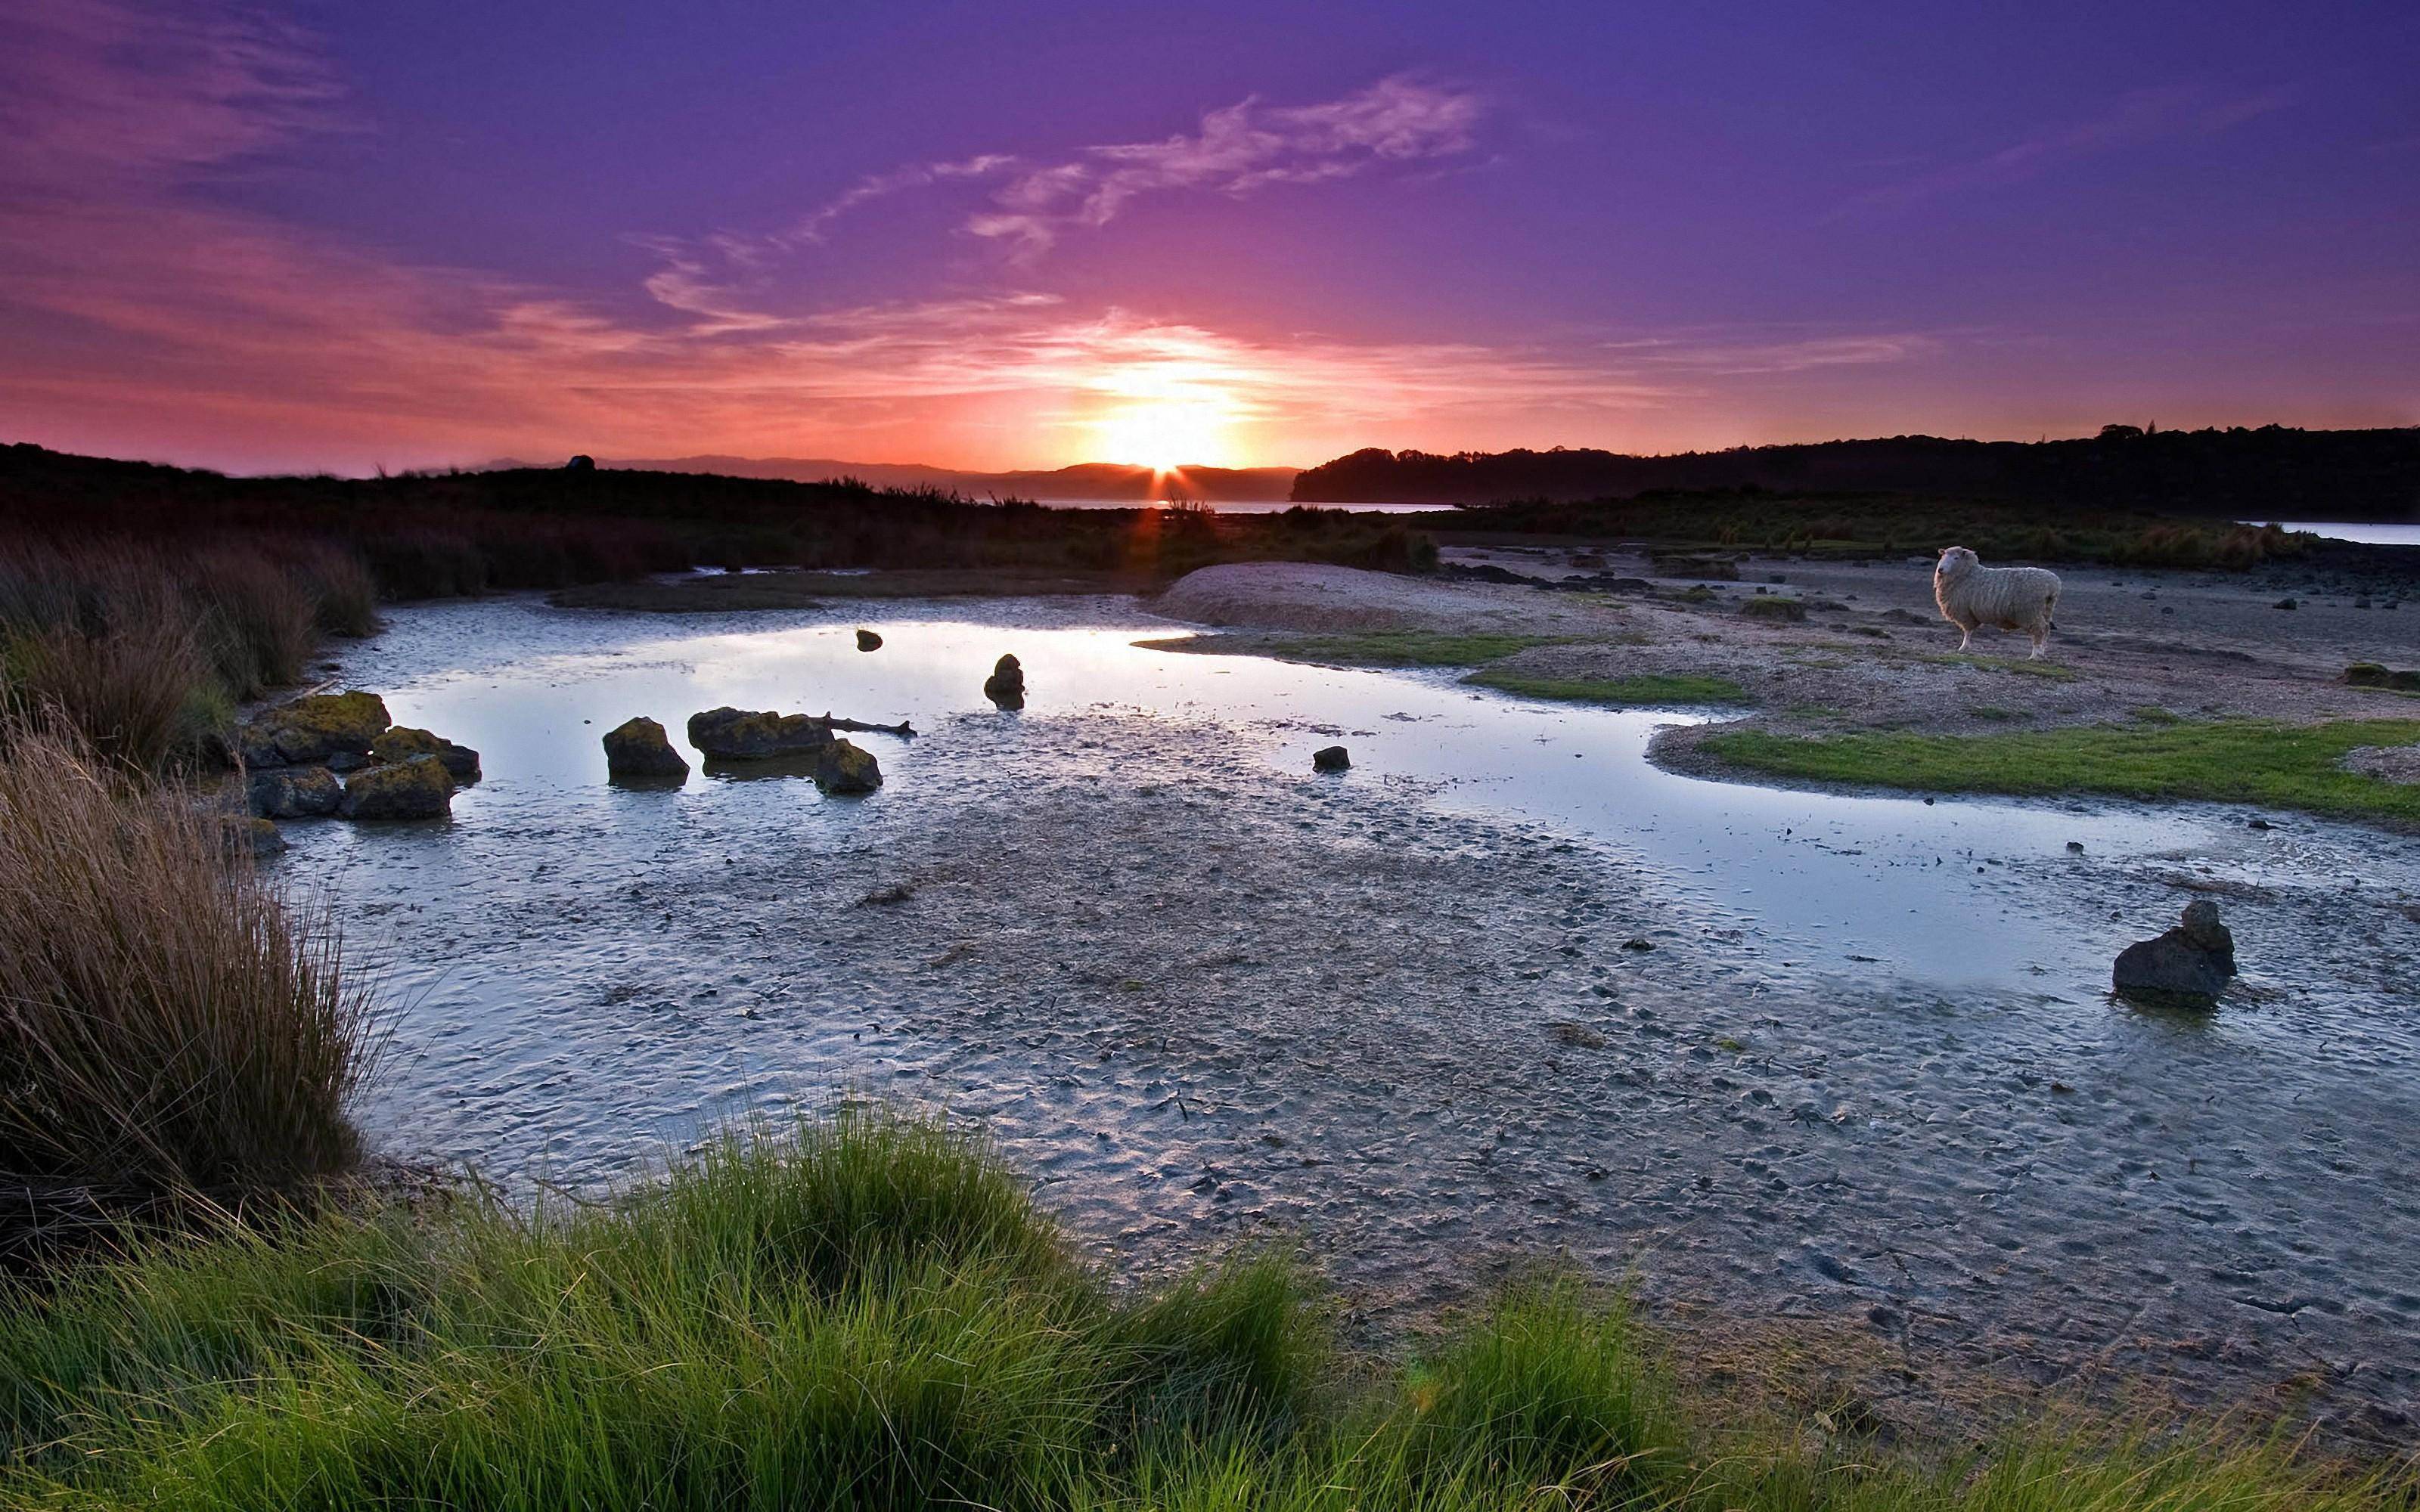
(1647, 687)
(2239, 760)
(2050, 670)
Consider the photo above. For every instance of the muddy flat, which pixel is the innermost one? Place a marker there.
(1841, 1066)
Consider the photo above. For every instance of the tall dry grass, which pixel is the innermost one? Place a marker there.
(170, 1029)
(144, 652)
(257, 615)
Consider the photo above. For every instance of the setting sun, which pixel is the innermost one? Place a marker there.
(1164, 434)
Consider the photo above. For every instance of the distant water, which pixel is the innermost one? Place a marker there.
(2368, 531)
(1236, 506)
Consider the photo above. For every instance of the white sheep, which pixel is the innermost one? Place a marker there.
(2012, 598)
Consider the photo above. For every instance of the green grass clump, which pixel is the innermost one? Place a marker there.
(871, 1312)
(1645, 687)
(2238, 761)
(2053, 670)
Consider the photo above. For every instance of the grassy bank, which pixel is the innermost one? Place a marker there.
(872, 1314)
(1878, 524)
(2286, 767)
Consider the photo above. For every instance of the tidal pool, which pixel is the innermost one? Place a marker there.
(1505, 988)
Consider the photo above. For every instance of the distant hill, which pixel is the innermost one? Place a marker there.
(1109, 482)
(2273, 473)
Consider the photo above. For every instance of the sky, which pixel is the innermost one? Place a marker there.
(341, 236)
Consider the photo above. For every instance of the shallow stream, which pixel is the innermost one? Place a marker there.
(1504, 988)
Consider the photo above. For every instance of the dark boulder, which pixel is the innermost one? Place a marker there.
(255, 838)
(729, 734)
(1774, 606)
(321, 727)
(294, 792)
(1005, 686)
(868, 641)
(402, 743)
(845, 766)
(581, 462)
(419, 788)
(2189, 966)
(256, 746)
(1330, 759)
(638, 750)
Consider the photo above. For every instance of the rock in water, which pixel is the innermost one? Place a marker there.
(1005, 686)
(320, 728)
(638, 750)
(294, 792)
(418, 788)
(845, 766)
(402, 743)
(2189, 966)
(868, 641)
(1330, 759)
(730, 734)
(256, 836)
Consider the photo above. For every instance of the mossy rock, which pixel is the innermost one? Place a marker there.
(247, 835)
(313, 729)
(845, 766)
(416, 788)
(2370, 674)
(638, 750)
(1770, 606)
(294, 792)
(403, 742)
(729, 734)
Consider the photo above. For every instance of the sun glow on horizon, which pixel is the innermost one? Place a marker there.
(1164, 436)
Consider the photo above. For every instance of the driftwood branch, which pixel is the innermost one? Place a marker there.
(902, 728)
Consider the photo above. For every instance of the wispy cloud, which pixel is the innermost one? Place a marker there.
(2141, 117)
(1237, 150)
(99, 93)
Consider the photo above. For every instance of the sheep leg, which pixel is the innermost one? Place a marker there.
(2041, 637)
(1965, 636)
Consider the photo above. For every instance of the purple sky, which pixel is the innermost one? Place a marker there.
(344, 236)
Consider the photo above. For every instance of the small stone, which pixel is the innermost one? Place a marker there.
(845, 766)
(868, 641)
(1005, 686)
(2076, 846)
(2189, 966)
(1330, 759)
(2287, 602)
(638, 750)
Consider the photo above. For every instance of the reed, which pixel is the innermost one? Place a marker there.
(172, 1034)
